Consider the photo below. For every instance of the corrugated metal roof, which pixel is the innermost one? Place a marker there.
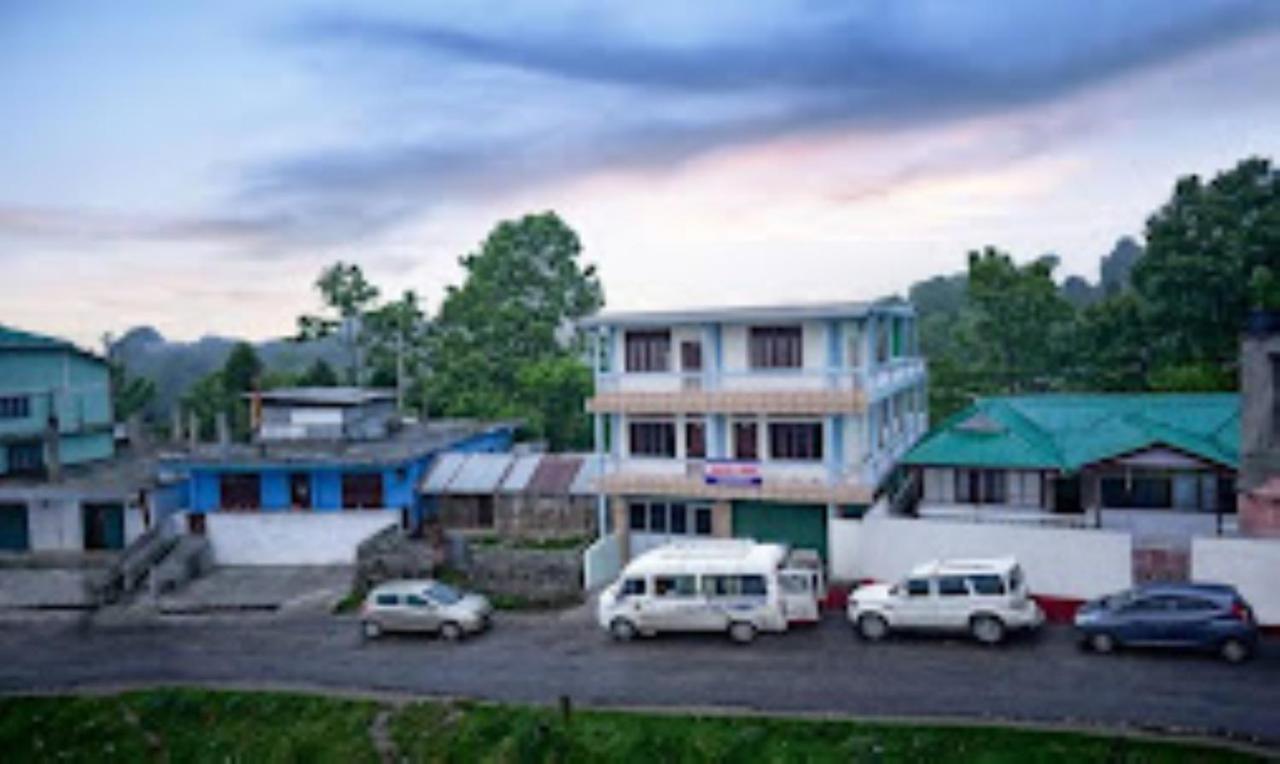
(520, 473)
(732, 314)
(442, 471)
(480, 473)
(584, 484)
(12, 338)
(554, 475)
(1066, 432)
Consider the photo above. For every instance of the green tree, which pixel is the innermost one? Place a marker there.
(223, 391)
(552, 391)
(347, 297)
(396, 335)
(318, 374)
(523, 292)
(1203, 247)
(129, 395)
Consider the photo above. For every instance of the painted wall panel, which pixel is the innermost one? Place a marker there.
(281, 538)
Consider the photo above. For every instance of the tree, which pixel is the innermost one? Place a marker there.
(223, 391)
(318, 374)
(1203, 247)
(551, 393)
(129, 395)
(523, 292)
(396, 337)
(347, 296)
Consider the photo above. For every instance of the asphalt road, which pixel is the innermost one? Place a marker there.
(537, 658)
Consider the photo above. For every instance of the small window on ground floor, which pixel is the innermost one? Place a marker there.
(362, 490)
(669, 518)
(240, 491)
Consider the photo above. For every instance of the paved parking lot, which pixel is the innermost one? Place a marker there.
(538, 657)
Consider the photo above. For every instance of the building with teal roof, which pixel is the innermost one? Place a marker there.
(1078, 455)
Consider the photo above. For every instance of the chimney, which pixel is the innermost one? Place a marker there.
(193, 429)
(224, 429)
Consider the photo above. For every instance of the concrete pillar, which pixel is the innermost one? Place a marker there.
(622, 527)
(722, 519)
(193, 429)
(175, 425)
(224, 429)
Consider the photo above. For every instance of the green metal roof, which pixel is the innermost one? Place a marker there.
(1065, 432)
(17, 339)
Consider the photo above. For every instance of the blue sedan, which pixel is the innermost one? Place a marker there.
(1209, 617)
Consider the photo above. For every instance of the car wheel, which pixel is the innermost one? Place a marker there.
(622, 630)
(873, 628)
(1102, 643)
(1234, 651)
(450, 631)
(742, 632)
(987, 629)
(370, 629)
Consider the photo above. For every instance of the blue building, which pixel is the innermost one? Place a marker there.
(63, 486)
(327, 468)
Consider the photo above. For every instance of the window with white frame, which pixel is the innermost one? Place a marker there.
(795, 441)
(653, 438)
(776, 347)
(746, 440)
(670, 518)
(981, 486)
(648, 350)
(695, 438)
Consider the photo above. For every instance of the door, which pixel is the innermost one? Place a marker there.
(14, 535)
(103, 526)
(914, 604)
(419, 614)
(1149, 621)
(300, 490)
(798, 595)
(803, 526)
(954, 604)
(677, 605)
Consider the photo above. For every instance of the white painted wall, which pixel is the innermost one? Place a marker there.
(56, 524)
(1251, 565)
(1077, 564)
(601, 562)
(292, 538)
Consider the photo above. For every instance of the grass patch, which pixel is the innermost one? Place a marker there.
(350, 603)
(217, 726)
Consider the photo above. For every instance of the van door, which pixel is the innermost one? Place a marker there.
(798, 598)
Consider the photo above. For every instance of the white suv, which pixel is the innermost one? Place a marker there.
(987, 598)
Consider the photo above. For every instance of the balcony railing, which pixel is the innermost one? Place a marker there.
(683, 478)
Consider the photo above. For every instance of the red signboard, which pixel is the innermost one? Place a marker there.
(729, 472)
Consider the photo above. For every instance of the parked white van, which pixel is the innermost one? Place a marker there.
(735, 586)
(986, 598)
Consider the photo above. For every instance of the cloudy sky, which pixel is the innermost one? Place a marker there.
(193, 166)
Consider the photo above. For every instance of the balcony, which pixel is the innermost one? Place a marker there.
(800, 483)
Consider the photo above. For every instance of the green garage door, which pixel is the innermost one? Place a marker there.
(801, 525)
(13, 528)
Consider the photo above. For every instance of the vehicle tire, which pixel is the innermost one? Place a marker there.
(742, 632)
(451, 632)
(370, 629)
(1234, 651)
(622, 630)
(872, 627)
(987, 629)
(1102, 643)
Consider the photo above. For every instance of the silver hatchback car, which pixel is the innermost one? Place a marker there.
(424, 606)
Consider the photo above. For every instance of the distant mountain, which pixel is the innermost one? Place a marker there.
(175, 366)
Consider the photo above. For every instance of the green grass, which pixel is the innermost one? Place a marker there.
(184, 725)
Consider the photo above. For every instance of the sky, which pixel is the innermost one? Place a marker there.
(194, 166)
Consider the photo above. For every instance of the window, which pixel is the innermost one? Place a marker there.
(653, 439)
(1194, 605)
(679, 519)
(26, 458)
(702, 521)
(443, 594)
(695, 439)
(240, 491)
(15, 407)
(1139, 490)
(734, 586)
(362, 490)
(952, 586)
(649, 351)
(745, 441)
(987, 584)
(633, 587)
(387, 600)
(674, 586)
(657, 518)
(638, 512)
(414, 600)
(980, 486)
(776, 347)
(801, 441)
(691, 356)
(917, 587)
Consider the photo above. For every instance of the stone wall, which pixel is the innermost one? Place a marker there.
(532, 576)
(390, 554)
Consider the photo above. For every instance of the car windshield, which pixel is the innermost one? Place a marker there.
(1119, 600)
(443, 594)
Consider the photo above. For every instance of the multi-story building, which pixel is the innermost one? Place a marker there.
(63, 486)
(751, 422)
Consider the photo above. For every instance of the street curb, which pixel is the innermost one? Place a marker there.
(398, 698)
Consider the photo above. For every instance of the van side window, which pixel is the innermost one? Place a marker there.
(917, 587)
(633, 587)
(953, 586)
(674, 586)
(754, 585)
(388, 600)
(987, 584)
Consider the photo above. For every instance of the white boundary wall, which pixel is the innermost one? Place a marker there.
(601, 562)
(1251, 565)
(293, 538)
(1059, 562)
